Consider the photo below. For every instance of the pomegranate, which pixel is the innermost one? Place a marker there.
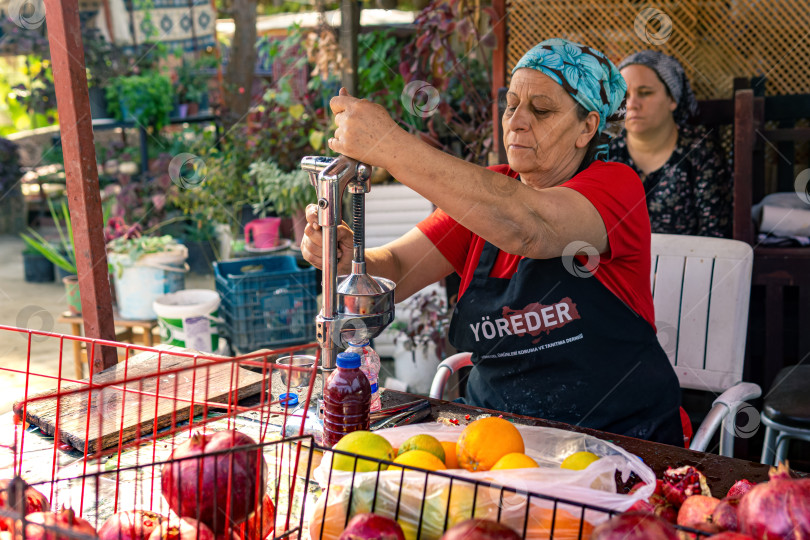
(696, 512)
(725, 515)
(34, 502)
(657, 504)
(740, 488)
(372, 527)
(258, 526)
(634, 526)
(130, 525)
(779, 508)
(65, 519)
(221, 490)
(683, 482)
(182, 529)
(480, 529)
(730, 535)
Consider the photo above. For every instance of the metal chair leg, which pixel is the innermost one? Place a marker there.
(768, 446)
(782, 444)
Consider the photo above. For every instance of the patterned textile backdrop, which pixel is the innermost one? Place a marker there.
(188, 24)
(715, 40)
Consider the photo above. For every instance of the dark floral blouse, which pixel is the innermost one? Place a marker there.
(692, 192)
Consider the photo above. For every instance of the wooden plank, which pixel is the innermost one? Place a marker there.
(695, 299)
(743, 227)
(84, 196)
(498, 75)
(131, 408)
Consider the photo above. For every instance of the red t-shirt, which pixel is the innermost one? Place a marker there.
(616, 192)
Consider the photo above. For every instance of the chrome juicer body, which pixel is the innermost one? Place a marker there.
(356, 307)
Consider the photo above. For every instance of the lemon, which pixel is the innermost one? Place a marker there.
(578, 461)
(419, 458)
(363, 443)
(428, 443)
(515, 460)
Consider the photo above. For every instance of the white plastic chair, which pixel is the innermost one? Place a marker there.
(391, 211)
(701, 288)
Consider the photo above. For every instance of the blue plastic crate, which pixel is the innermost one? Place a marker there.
(266, 302)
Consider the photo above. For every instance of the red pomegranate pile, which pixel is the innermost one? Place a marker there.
(34, 502)
(219, 479)
(130, 525)
(777, 509)
(65, 519)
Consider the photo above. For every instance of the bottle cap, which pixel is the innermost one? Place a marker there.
(348, 360)
(288, 400)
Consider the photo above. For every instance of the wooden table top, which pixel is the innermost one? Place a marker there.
(68, 317)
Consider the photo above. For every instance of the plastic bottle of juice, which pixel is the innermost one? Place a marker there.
(370, 365)
(346, 399)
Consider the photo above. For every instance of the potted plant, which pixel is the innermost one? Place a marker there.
(145, 98)
(191, 85)
(145, 267)
(62, 255)
(420, 338)
(286, 193)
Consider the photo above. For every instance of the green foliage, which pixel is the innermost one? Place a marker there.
(147, 97)
(62, 255)
(451, 54)
(378, 77)
(191, 84)
(284, 192)
(125, 251)
(221, 186)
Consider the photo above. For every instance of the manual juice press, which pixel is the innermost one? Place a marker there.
(356, 307)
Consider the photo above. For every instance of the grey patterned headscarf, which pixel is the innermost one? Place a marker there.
(671, 73)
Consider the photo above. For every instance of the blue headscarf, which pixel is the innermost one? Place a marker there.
(584, 73)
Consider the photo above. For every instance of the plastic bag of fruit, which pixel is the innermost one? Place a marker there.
(431, 503)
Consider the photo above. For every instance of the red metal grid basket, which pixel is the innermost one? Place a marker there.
(99, 454)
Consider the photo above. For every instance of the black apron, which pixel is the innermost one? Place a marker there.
(551, 345)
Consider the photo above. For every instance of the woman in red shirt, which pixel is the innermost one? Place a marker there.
(553, 250)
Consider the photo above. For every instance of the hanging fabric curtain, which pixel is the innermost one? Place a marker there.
(185, 24)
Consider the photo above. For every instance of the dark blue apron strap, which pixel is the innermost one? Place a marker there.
(489, 253)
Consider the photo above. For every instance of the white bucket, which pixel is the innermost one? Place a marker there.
(189, 319)
(138, 283)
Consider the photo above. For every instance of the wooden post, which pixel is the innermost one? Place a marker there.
(84, 197)
(349, 30)
(498, 73)
(743, 228)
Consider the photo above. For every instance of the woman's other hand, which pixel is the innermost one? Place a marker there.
(312, 244)
(365, 131)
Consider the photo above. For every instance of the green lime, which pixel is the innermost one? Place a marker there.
(428, 443)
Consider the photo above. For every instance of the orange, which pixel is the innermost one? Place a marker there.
(450, 459)
(514, 461)
(485, 441)
(419, 458)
